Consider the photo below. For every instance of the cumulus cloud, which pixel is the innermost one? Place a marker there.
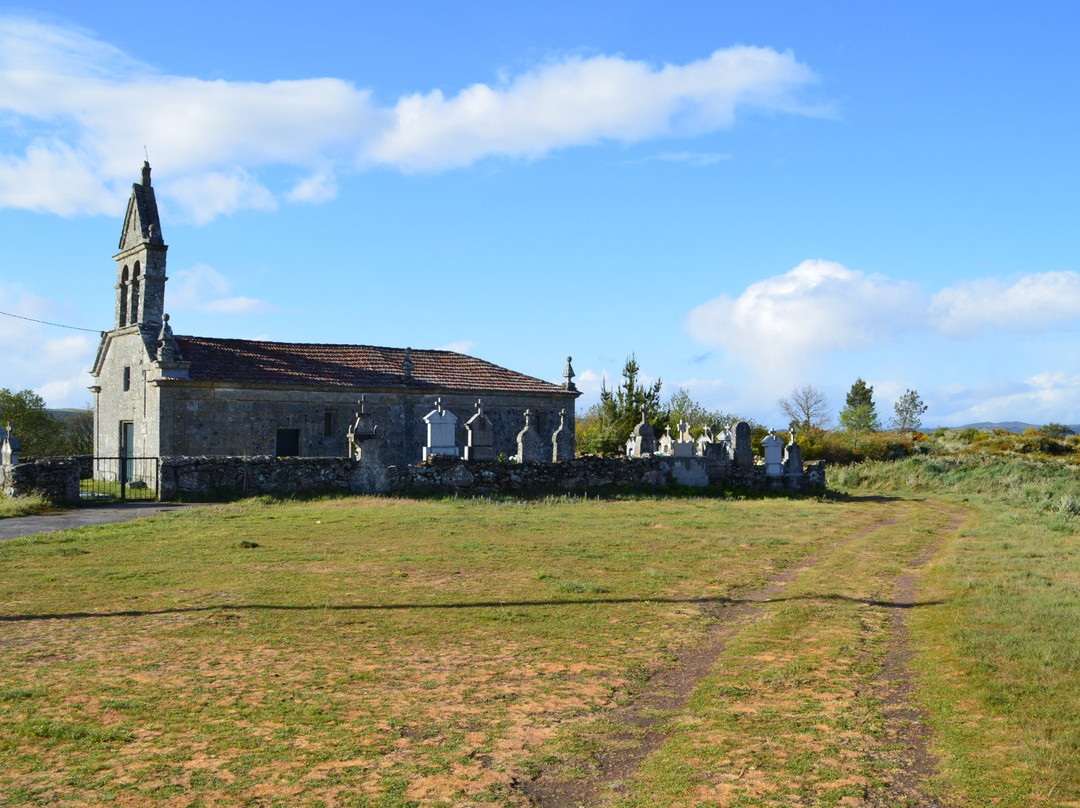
(1038, 399)
(202, 288)
(83, 110)
(53, 362)
(818, 306)
(578, 101)
(1033, 303)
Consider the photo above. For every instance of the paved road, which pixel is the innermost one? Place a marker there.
(17, 526)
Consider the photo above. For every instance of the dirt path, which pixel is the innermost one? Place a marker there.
(906, 734)
(905, 742)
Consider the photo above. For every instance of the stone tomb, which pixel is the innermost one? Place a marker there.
(773, 447)
(441, 432)
(530, 448)
(479, 443)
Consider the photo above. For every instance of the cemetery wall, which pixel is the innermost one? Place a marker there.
(196, 478)
(55, 477)
(203, 478)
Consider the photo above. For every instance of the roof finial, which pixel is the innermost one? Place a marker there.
(146, 173)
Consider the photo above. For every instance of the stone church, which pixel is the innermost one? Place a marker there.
(158, 394)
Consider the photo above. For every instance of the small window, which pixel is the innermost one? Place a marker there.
(288, 443)
(127, 378)
(328, 424)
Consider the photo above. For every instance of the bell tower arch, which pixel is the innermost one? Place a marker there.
(140, 263)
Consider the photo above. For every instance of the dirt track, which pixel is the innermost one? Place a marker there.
(904, 742)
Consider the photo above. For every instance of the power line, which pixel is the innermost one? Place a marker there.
(45, 322)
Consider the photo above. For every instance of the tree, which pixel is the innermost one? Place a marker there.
(806, 407)
(1055, 430)
(35, 427)
(859, 414)
(909, 412)
(78, 432)
(606, 426)
(682, 407)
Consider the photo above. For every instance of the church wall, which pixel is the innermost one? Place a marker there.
(219, 419)
(137, 404)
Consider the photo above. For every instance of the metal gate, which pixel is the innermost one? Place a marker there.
(119, 479)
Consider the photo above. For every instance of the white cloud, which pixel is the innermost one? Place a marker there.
(82, 111)
(208, 195)
(578, 101)
(819, 306)
(52, 362)
(1033, 303)
(695, 159)
(319, 187)
(202, 288)
(462, 347)
(1039, 399)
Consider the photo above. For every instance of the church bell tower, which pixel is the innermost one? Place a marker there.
(140, 264)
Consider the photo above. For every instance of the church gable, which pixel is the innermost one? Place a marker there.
(141, 222)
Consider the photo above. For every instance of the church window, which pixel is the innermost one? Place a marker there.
(328, 424)
(127, 378)
(288, 443)
(123, 297)
(135, 294)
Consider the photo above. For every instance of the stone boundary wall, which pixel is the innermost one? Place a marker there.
(221, 477)
(202, 478)
(55, 477)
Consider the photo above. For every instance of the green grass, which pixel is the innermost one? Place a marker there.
(386, 652)
(24, 505)
(1000, 659)
(361, 643)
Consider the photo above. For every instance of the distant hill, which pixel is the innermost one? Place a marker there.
(1012, 426)
(65, 415)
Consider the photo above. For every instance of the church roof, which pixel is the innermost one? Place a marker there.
(357, 366)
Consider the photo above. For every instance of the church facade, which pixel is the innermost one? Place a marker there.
(158, 394)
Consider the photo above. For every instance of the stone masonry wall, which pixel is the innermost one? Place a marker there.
(56, 478)
(201, 478)
(213, 477)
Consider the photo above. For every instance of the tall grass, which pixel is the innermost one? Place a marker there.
(1045, 487)
(23, 505)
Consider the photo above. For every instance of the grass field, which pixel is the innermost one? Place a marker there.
(379, 652)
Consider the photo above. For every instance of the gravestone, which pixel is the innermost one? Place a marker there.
(642, 441)
(561, 446)
(793, 464)
(705, 440)
(529, 447)
(479, 436)
(666, 443)
(773, 447)
(9, 449)
(441, 432)
(742, 452)
(684, 446)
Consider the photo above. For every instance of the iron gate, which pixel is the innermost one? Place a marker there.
(119, 479)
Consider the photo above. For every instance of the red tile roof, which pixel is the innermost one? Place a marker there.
(360, 366)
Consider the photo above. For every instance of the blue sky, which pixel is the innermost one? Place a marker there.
(749, 197)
